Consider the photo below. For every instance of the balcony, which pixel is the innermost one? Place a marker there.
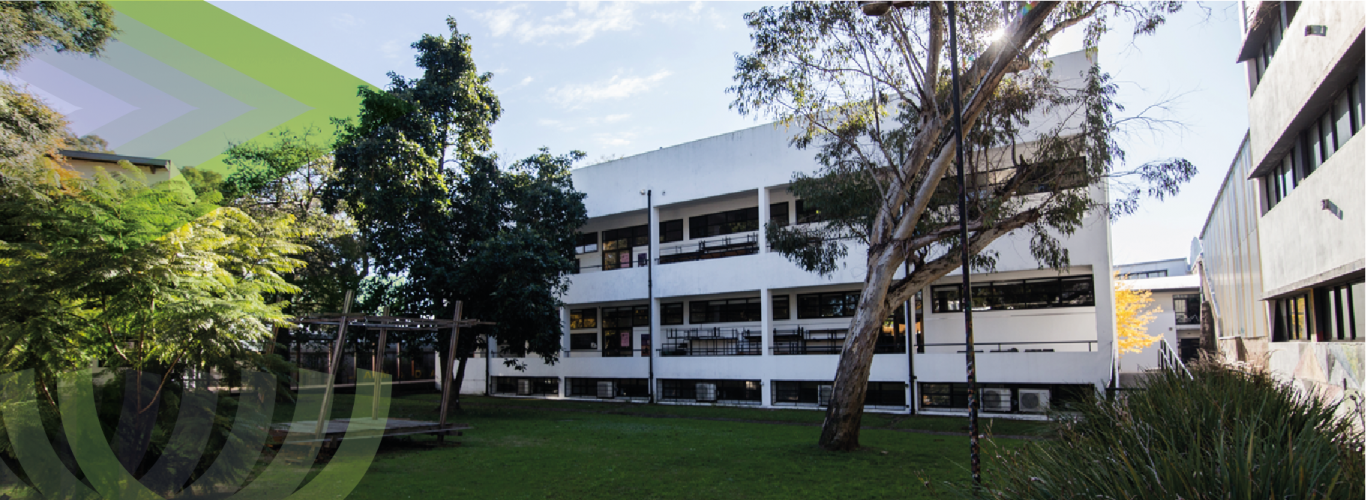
(827, 341)
(729, 246)
(1010, 347)
(711, 342)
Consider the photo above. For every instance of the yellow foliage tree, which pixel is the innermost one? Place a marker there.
(1132, 316)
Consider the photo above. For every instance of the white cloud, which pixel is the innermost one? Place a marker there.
(524, 82)
(617, 139)
(692, 14)
(579, 21)
(344, 21)
(616, 118)
(394, 49)
(573, 96)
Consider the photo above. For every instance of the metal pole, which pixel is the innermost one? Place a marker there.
(908, 313)
(650, 286)
(965, 297)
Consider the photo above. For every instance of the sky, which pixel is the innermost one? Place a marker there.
(617, 79)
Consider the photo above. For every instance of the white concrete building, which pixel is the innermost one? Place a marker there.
(720, 319)
(1283, 253)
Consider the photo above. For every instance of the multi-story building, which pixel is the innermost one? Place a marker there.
(1283, 252)
(679, 298)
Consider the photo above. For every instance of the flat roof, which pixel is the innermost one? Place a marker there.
(114, 158)
(1184, 282)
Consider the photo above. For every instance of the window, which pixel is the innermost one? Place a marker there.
(618, 243)
(526, 386)
(583, 341)
(586, 243)
(731, 391)
(616, 342)
(885, 394)
(1318, 141)
(671, 313)
(777, 214)
(943, 395)
(1187, 308)
(618, 324)
(1070, 291)
(827, 305)
(781, 309)
(1146, 274)
(608, 388)
(625, 316)
(670, 231)
(583, 318)
(807, 215)
(1326, 313)
(730, 222)
(723, 311)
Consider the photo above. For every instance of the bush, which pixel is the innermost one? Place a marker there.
(1223, 434)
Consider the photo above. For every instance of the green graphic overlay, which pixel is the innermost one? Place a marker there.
(280, 85)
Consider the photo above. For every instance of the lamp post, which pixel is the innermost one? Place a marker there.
(965, 296)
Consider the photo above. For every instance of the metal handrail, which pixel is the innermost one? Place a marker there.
(1168, 359)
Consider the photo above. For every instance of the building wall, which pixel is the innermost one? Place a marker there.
(1303, 242)
(1172, 267)
(1231, 259)
(1164, 325)
(1299, 69)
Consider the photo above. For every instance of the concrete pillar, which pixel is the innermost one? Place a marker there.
(766, 327)
(564, 330)
(763, 220)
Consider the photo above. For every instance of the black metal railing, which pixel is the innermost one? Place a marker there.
(1188, 318)
(729, 246)
(1016, 346)
(711, 342)
(801, 340)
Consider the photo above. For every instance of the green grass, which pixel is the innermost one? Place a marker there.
(566, 449)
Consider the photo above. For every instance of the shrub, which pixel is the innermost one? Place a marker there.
(1224, 433)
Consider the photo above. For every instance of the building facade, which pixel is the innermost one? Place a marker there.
(679, 298)
(1283, 252)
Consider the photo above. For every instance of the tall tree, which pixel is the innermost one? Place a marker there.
(871, 94)
(442, 219)
(287, 174)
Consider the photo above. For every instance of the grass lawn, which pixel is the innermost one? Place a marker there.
(568, 449)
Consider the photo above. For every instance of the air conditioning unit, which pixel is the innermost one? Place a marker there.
(1034, 400)
(523, 387)
(823, 394)
(706, 392)
(996, 400)
(606, 389)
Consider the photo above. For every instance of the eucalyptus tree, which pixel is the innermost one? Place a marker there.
(871, 96)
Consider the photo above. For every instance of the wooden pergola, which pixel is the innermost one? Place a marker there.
(323, 430)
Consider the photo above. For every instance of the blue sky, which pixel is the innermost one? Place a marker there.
(617, 79)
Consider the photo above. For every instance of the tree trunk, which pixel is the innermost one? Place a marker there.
(456, 382)
(844, 415)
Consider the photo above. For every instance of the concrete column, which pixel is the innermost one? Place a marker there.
(766, 325)
(564, 329)
(763, 221)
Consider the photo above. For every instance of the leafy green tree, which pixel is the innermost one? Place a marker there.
(442, 219)
(286, 175)
(872, 96)
(114, 272)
